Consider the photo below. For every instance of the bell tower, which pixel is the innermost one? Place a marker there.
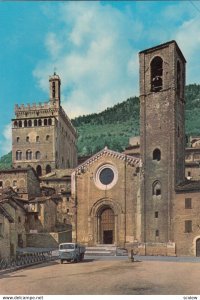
(162, 131)
(54, 89)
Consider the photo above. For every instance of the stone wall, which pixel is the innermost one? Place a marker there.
(48, 240)
(186, 241)
(153, 249)
(4, 237)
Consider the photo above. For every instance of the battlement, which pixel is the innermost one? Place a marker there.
(32, 107)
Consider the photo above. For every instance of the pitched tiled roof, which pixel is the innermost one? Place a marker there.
(188, 186)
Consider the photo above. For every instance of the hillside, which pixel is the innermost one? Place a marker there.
(114, 126)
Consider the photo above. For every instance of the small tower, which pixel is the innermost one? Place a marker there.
(54, 90)
(162, 132)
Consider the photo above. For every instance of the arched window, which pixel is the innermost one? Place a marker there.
(156, 74)
(156, 188)
(35, 123)
(48, 169)
(45, 122)
(25, 123)
(29, 123)
(49, 122)
(53, 89)
(18, 155)
(37, 155)
(47, 138)
(20, 123)
(18, 139)
(39, 122)
(37, 139)
(15, 124)
(27, 139)
(157, 154)
(28, 155)
(39, 170)
(178, 78)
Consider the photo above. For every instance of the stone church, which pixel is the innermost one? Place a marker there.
(146, 198)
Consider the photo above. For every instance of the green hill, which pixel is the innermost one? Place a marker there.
(114, 126)
(5, 161)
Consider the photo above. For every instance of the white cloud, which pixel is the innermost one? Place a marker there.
(189, 41)
(96, 50)
(94, 55)
(6, 142)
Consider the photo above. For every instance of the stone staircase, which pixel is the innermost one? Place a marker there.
(105, 250)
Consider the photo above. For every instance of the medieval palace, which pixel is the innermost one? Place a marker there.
(146, 198)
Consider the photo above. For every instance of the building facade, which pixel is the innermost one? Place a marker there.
(43, 136)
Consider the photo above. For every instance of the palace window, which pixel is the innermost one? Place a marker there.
(156, 214)
(37, 155)
(29, 123)
(20, 123)
(28, 155)
(156, 74)
(15, 124)
(35, 123)
(156, 154)
(48, 169)
(14, 183)
(45, 122)
(39, 170)
(188, 203)
(18, 155)
(156, 189)
(188, 226)
(25, 123)
(49, 122)
(39, 122)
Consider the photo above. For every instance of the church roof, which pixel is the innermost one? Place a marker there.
(131, 160)
(58, 174)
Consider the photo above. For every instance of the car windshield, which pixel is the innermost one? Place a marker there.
(67, 246)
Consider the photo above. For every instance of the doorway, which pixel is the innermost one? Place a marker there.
(107, 226)
(198, 247)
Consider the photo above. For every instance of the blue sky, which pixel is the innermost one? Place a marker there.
(93, 46)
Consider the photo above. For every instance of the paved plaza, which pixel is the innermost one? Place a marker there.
(116, 276)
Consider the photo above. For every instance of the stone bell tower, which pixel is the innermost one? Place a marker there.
(162, 105)
(54, 90)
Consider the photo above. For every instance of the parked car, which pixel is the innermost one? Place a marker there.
(71, 252)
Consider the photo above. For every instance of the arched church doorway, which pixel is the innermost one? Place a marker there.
(198, 247)
(107, 226)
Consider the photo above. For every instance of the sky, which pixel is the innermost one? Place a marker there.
(93, 46)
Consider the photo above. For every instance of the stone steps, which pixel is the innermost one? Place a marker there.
(105, 250)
